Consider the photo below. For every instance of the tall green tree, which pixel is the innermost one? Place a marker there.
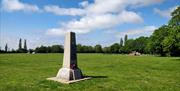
(175, 20)
(155, 44)
(121, 42)
(171, 43)
(25, 45)
(166, 39)
(6, 47)
(20, 44)
(125, 39)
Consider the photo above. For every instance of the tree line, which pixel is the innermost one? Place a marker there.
(19, 50)
(124, 46)
(165, 41)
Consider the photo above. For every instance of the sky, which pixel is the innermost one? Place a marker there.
(45, 22)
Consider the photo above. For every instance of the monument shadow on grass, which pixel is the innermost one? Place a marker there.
(96, 76)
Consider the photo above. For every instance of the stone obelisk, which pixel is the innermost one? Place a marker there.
(69, 72)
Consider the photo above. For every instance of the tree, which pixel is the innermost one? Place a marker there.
(48, 49)
(106, 50)
(140, 44)
(56, 49)
(13, 51)
(98, 48)
(121, 42)
(25, 46)
(42, 49)
(175, 20)
(115, 48)
(31, 50)
(6, 47)
(129, 47)
(84, 49)
(155, 43)
(166, 39)
(79, 48)
(171, 43)
(91, 49)
(125, 39)
(20, 44)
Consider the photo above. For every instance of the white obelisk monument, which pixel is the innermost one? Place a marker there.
(69, 72)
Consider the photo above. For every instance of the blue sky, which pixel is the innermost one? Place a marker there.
(94, 21)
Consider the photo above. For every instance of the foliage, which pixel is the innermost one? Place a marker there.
(50, 49)
(106, 50)
(175, 20)
(84, 49)
(20, 44)
(98, 49)
(20, 49)
(129, 46)
(125, 39)
(121, 42)
(141, 44)
(155, 43)
(171, 43)
(25, 46)
(166, 39)
(56, 49)
(6, 48)
(115, 48)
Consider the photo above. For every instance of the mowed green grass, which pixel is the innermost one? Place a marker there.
(28, 72)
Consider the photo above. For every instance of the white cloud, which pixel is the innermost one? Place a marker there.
(84, 3)
(145, 31)
(16, 5)
(140, 3)
(99, 7)
(165, 13)
(56, 32)
(89, 23)
(63, 11)
(114, 6)
(102, 14)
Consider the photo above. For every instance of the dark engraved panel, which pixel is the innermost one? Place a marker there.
(73, 51)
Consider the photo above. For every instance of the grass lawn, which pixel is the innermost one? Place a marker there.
(28, 72)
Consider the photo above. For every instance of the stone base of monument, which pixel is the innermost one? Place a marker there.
(67, 82)
(67, 76)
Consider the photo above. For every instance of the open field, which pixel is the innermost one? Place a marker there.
(28, 72)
